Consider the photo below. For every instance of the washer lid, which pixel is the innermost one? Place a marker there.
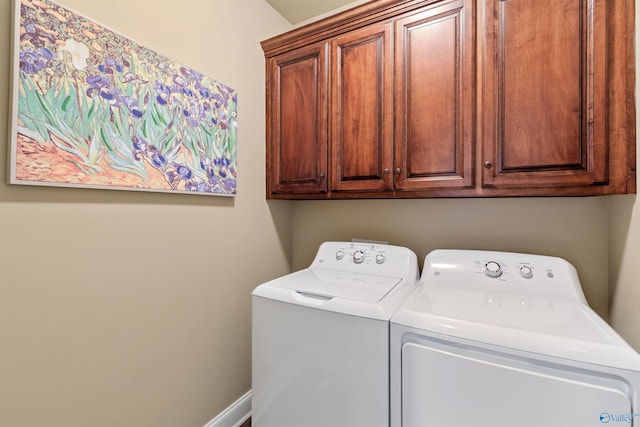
(338, 284)
(561, 328)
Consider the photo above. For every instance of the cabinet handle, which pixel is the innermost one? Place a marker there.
(398, 171)
(488, 165)
(321, 175)
(386, 171)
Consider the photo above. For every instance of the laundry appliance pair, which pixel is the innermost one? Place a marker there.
(496, 339)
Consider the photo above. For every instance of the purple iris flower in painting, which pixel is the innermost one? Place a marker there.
(229, 186)
(139, 143)
(196, 186)
(184, 172)
(207, 165)
(193, 74)
(131, 104)
(47, 53)
(223, 121)
(192, 121)
(180, 81)
(205, 162)
(144, 150)
(30, 28)
(222, 161)
(32, 61)
(98, 83)
(223, 166)
(102, 85)
(180, 173)
(163, 92)
(107, 94)
(215, 182)
(140, 147)
(219, 171)
(220, 101)
(158, 160)
(110, 65)
(205, 92)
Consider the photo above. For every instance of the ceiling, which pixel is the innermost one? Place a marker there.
(296, 11)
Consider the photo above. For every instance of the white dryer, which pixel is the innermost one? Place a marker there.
(320, 338)
(495, 339)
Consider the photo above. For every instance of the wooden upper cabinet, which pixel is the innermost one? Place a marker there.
(297, 121)
(545, 94)
(434, 98)
(361, 110)
(454, 98)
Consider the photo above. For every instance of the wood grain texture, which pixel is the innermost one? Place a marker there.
(434, 98)
(454, 98)
(361, 110)
(297, 126)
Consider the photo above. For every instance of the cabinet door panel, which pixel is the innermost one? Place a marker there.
(544, 92)
(361, 110)
(434, 99)
(298, 123)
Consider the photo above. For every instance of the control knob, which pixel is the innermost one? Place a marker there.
(493, 269)
(526, 272)
(339, 255)
(358, 257)
(379, 258)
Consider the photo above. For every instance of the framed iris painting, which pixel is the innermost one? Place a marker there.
(94, 109)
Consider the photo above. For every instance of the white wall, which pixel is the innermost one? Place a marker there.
(133, 309)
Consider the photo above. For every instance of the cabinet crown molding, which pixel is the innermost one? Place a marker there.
(350, 19)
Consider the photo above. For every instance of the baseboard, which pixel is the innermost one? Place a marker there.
(236, 414)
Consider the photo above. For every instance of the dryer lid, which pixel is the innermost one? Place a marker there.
(554, 327)
(338, 284)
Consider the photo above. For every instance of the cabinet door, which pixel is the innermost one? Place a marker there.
(297, 125)
(544, 93)
(361, 109)
(434, 98)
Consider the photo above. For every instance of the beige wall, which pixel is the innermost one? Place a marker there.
(600, 236)
(572, 228)
(133, 309)
(624, 267)
(124, 308)
(624, 254)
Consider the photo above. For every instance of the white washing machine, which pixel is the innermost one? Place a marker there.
(320, 342)
(495, 339)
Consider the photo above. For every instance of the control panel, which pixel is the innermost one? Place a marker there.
(495, 269)
(503, 272)
(370, 258)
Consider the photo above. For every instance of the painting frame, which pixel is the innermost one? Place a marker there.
(91, 108)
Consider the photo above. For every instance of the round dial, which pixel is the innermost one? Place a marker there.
(526, 272)
(339, 255)
(358, 257)
(493, 269)
(379, 258)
